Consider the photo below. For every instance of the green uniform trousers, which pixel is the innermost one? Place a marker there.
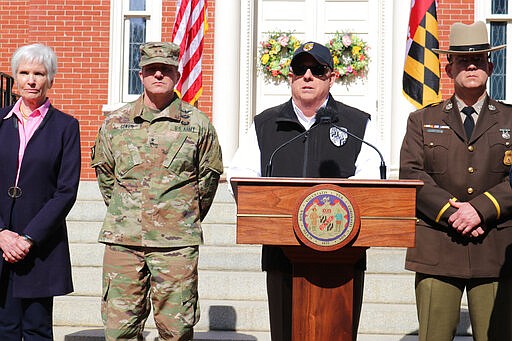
(134, 279)
(438, 302)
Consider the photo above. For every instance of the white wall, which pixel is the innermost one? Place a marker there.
(382, 23)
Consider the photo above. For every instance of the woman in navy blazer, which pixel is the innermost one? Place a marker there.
(39, 176)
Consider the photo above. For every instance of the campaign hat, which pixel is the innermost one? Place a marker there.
(469, 39)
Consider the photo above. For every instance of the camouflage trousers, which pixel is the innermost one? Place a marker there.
(134, 279)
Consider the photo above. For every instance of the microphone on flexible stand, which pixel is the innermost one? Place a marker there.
(334, 119)
(382, 166)
(322, 117)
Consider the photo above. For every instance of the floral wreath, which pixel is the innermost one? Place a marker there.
(349, 52)
(276, 54)
(350, 56)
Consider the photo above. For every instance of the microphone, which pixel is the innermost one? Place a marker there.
(333, 118)
(322, 116)
(382, 166)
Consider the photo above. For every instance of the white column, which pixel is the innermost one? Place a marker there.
(226, 75)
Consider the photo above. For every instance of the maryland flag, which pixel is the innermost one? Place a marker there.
(422, 69)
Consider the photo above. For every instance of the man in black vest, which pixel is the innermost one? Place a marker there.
(324, 151)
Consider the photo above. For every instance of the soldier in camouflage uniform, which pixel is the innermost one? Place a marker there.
(158, 163)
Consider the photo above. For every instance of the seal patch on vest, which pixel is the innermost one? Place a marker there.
(337, 136)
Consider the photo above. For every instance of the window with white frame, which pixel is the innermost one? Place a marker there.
(499, 20)
(133, 22)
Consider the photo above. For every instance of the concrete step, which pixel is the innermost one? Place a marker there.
(386, 260)
(227, 271)
(96, 334)
(211, 257)
(219, 234)
(240, 257)
(221, 212)
(395, 319)
(215, 314)
(86, 232)
(249, 317)
(88, 211)
(231, 285)
(83, 232)
(378, 337)
(86, 254)
(246, 315)
(244, 285)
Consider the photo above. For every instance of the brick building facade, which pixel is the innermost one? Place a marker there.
(79, 32)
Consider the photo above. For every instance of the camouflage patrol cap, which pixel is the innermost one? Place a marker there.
(159, 52)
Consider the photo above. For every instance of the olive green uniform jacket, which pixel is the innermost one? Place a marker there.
(435, 150)
(158, 172)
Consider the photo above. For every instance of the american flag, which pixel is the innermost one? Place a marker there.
(421, 70)
(188, 33)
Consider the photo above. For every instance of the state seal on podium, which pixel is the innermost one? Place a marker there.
(326, 218)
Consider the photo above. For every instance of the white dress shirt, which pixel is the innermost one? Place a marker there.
(247, 159)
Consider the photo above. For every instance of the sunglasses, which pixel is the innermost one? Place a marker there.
(317, 70)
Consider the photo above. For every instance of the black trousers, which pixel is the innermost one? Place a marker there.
(27, 319)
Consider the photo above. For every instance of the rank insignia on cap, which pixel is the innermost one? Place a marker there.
(507, 160)
(308, 46)
(337, 136)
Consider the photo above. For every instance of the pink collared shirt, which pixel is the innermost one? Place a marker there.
(26, 129)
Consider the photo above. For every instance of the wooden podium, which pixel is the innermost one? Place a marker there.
(323, 278)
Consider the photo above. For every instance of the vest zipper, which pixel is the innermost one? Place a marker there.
(306, 153)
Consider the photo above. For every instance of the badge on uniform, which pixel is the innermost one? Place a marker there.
(505, 133)
(185, 113)
(185, 117)
(338, 136)
(507, 159)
